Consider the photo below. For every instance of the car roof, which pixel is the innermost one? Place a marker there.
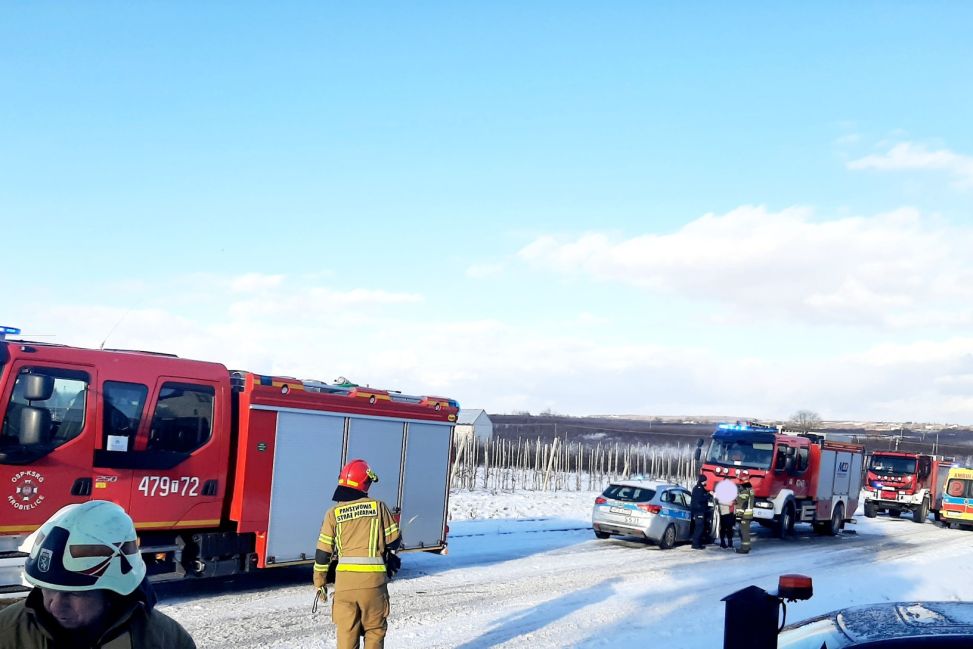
(656, 485)
(875, 622)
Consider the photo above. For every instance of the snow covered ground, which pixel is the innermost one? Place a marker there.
(524, 569)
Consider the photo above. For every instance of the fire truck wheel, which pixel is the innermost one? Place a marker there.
(895, 513)
(668, 538)
(785, 526)
(870, 510)
(922, 513)
(837, 519)
(602, 535)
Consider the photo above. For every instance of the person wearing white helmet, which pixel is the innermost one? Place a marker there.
(90, 588)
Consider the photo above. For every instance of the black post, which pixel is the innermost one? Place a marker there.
(752, 618)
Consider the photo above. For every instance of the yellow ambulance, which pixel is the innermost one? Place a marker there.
(958, 498)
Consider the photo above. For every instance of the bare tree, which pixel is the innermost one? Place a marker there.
(805, 420)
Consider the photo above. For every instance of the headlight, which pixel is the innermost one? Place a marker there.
(764, 505)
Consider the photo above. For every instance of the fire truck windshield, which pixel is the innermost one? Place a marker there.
(892, 465)
(741, 452)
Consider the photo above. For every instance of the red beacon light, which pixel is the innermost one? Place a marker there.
(794, 587)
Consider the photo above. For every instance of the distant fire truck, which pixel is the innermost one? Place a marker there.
(222, 471)
(795, 477)
(898, 481)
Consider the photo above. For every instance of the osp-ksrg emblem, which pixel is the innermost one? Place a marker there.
(26, 490)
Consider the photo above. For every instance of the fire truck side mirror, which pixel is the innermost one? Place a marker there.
(38, 387)
(698, 453)
(35, 426)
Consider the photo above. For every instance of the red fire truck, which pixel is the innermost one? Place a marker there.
(222, 471)
(898, 481)
(795, 477)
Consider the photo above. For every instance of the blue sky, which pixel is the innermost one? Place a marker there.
(637, 208)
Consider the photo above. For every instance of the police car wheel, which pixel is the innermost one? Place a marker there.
(668, 539)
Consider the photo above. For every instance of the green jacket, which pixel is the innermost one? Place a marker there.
(26, 625)
(744, 503)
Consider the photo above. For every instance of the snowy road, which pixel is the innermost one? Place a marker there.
(550, 583)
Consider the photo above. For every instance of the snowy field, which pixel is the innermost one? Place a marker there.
(525, 570)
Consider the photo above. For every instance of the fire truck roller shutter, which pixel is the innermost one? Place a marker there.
(424, 485)
(380, 443)
(307, 458)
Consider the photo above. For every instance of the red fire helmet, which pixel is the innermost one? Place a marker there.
(357, 475)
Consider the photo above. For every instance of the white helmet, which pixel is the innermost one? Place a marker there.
(86, 547)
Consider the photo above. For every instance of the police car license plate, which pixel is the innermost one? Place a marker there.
(618, 510)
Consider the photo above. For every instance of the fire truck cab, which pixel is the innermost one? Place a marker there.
(898, 481)
(795, 477)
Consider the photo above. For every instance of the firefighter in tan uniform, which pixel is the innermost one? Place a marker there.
(358, 538)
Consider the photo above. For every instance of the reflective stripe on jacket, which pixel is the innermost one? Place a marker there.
(357, 533)
(744, 503)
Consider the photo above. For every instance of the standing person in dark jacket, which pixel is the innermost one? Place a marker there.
(90, 588)
(699, 507)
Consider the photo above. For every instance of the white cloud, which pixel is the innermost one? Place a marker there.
(896, 269)
(504, 367)
(905, 156)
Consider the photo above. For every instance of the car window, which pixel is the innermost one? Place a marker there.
(958, 488)
(182, 419)
(683, 498)
(802, 459)
(629, 493)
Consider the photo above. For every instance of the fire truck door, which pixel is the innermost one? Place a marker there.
(179, 464)
(46, 442)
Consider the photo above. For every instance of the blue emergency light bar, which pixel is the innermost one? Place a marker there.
(5, 331)
(748, 426)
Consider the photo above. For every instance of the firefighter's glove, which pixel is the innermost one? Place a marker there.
(392, 564)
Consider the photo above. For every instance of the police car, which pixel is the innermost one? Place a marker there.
(656, 511)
